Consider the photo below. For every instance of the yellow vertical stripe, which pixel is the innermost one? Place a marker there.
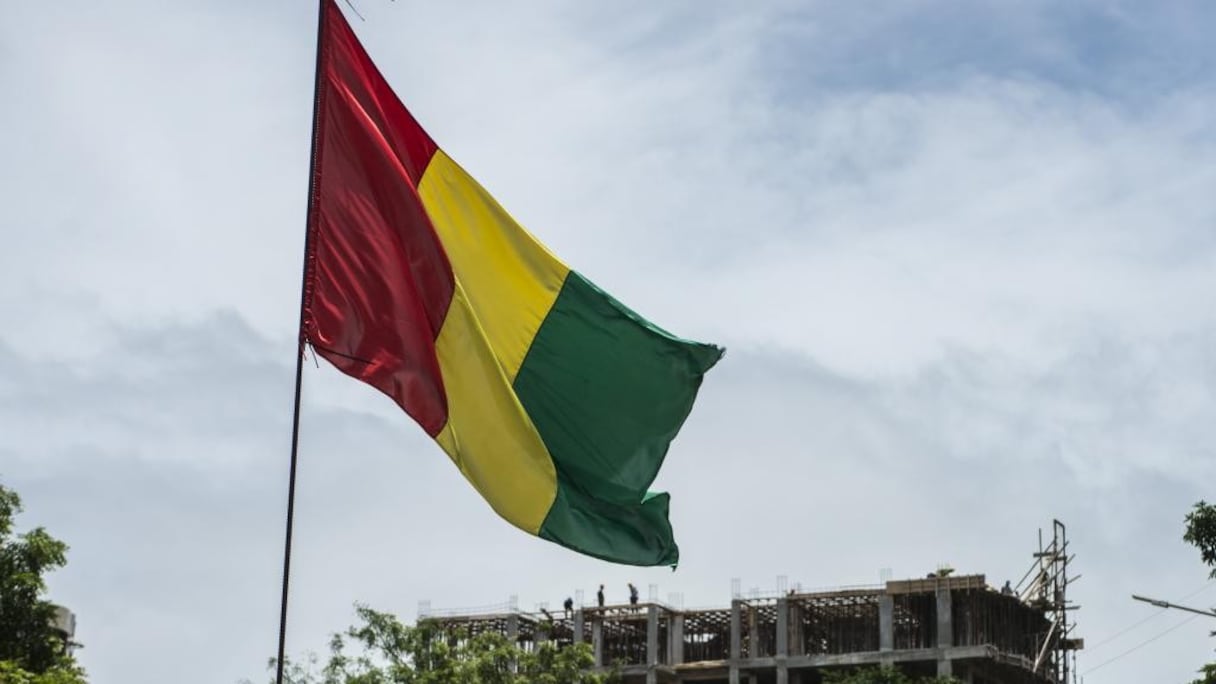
(511, 280)
(488, 434)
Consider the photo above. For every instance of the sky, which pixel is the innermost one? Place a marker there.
(957, 252)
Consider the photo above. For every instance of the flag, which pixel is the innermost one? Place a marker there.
(556, 401)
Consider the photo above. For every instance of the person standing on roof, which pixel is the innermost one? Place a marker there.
(633, 594)
(599, 596)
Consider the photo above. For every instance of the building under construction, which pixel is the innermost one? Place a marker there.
(936, 625)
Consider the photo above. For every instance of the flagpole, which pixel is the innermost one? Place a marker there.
(301, 341)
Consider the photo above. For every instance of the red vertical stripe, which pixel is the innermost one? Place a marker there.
(351, 68)
(378, 283)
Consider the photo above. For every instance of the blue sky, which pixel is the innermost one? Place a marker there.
(959, 254)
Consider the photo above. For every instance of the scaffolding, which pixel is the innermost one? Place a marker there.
(1045, 587)
(707, 635)
(838, 622)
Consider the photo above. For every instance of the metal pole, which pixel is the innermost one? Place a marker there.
(1167, 604)
(1061, 582)
(301, 340)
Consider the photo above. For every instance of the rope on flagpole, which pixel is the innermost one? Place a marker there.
(352, 7)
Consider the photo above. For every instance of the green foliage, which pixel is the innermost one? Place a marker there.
(1201, 533)
(65, 672)
(32, 651)
(390, 652)
(880, 675)
(1209, 674)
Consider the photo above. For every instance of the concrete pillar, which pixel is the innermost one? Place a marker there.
(945, 621)
(652, 635)
(736, 630)
(945, 631)
(736, 639)
(886, 623)
(783, 628)
(513, 628)
(795, 620)
(753, 632)
(578, 625)
(783, 640)
(597, 639)
(675, 638)
(513, 634)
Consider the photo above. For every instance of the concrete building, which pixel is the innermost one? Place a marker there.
(938, 625)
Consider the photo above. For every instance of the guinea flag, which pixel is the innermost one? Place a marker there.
(556, 401)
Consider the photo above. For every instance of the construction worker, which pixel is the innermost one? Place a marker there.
(633, 594)
(599, 596)
(569, 606)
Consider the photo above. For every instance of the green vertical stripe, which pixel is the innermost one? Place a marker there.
(608, 391)
(636, 534)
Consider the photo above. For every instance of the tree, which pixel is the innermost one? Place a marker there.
(1201, 533)
(32, 649)
(1209, 674)
(880, 675)
(391, 652)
